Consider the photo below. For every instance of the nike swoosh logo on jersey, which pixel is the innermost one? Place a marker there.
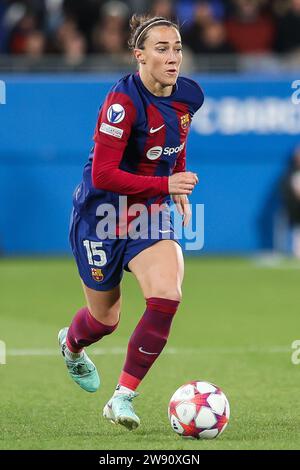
(165, 231)
(145, 352)
(156, 130)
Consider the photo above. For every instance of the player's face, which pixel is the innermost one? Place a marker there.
(162, 56)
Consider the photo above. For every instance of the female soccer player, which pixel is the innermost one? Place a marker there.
(139, 152)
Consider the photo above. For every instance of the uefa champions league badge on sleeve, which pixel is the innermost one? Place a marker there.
(115, 113)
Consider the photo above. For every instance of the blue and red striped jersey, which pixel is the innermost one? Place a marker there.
(140, 140)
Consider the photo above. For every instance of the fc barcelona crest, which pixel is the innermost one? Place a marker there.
(97, 274)
(185, 121)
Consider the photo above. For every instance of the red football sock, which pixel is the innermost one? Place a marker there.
(85, 330)
(147, 340)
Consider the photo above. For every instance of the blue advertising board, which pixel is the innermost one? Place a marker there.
(240, 145)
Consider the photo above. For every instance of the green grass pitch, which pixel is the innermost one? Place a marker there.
(234, 328)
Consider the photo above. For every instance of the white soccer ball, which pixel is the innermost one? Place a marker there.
(199, 410)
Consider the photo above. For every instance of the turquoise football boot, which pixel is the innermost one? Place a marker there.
(82, 369)
(119, 410)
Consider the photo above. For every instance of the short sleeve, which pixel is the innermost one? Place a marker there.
(198, 96)
(115, 120)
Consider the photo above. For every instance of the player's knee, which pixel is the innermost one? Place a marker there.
(109, 316)
(168, 292)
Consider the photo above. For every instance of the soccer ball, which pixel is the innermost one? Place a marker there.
(199, 410)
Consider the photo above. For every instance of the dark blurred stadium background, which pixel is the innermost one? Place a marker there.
(76, 34)
(58, 58)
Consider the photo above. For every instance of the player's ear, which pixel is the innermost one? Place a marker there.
(139, 56)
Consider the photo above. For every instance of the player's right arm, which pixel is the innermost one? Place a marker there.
(110, 142)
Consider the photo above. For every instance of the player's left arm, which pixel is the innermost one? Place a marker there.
(180, 164)
(184, 208)
(182, 201)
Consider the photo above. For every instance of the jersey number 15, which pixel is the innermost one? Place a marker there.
(93, 250)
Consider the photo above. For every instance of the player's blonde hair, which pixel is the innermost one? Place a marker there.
(140, 25)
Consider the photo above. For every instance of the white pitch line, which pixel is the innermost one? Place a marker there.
(170, 351)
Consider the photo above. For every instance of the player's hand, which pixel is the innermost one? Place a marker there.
(182, 183)
(183, 207)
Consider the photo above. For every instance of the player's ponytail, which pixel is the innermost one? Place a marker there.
(140, 26)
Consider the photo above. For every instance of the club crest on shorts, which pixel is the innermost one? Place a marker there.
(115, 113)
(185, 121)
(97, 274)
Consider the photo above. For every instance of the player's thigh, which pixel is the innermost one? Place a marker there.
(159, 270)
(105, 306)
